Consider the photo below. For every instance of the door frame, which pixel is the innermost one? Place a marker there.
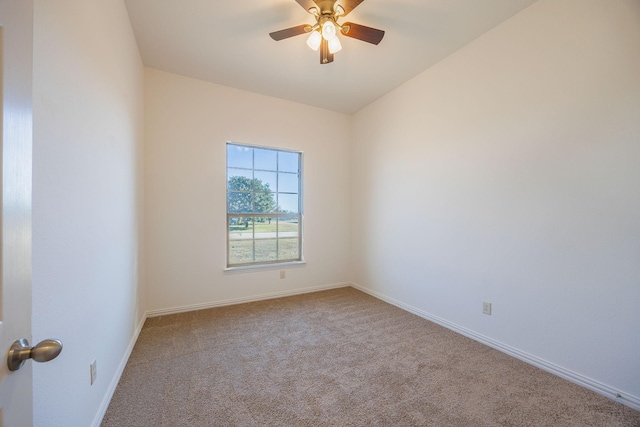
(16, 389)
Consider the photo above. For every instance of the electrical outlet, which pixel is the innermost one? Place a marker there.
(93, 369)
(486, 308)
(282, 274)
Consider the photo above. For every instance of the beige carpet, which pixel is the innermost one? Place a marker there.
(336, 358)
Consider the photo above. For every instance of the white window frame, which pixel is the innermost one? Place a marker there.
(276, 215)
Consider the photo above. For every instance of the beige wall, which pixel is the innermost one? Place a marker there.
(509, 173)
(87, 142)
(188, 123)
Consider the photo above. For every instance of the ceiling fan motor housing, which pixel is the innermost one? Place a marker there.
(327, 7)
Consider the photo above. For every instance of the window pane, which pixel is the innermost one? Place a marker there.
(240, 201)
(266, 243)
(239, 156)
(265, 159)
(240, 228)
(264, 202)
(288, 249)
(288, 203)
(240, 240)
(288, 227)
(240, 252)
(266, 250)
(287, 183)
(239, 179)
(266, 179)
(288, 162)
(266, 228)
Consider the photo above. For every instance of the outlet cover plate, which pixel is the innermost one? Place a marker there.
(93, 368)
(486, 308)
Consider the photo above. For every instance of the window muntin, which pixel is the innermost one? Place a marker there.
(264, 215)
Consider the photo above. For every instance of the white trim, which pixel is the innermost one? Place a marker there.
(576, 378)
(602, 389)
(242, 300)
(271, 266)
(102, 410)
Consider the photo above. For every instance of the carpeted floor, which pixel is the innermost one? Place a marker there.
(336, 358)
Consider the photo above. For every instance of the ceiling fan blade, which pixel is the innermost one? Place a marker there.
(325, 56)
(306, 4)
(361, 32)
(349, 5)
(289, 32)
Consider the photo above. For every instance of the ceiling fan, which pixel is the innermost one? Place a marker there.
(324, 34)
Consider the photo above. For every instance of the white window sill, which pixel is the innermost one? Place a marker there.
(264, 267)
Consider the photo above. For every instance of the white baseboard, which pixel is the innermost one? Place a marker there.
(102, 410)
(603, 389)
(234, 301)
(581, 380)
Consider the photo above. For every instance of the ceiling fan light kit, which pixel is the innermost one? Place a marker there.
(314, 40)
(335, 45)
(324, 34)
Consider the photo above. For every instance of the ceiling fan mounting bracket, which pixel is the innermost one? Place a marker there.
(326, 6)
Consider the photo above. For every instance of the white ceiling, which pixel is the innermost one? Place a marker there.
(227, 42)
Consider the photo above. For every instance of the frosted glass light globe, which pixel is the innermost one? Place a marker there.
(328, 30)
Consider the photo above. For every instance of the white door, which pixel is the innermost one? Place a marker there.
(16, 57)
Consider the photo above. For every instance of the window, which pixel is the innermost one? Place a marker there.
(264, 200)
